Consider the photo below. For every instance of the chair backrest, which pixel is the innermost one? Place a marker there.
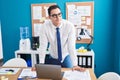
(15, 62)
(109, 76)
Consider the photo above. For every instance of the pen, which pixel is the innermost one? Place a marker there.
(10, 70)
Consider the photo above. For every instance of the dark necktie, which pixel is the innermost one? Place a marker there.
(59, 45)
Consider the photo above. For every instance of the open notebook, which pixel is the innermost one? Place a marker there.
(27, 73)
(77, 75)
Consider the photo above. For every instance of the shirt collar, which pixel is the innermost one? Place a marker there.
(53, 26)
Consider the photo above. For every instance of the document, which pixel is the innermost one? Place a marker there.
(77, 75)
(9, 71)
(37, 28)
(37, 12)
(27, 73)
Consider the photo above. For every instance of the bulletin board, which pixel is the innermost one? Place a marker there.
(39, 14)
(81, 14)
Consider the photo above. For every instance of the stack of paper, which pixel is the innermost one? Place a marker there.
(77, 75)
(4, 71)
(27, 73)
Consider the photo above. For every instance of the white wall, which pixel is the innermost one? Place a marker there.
(1, 50)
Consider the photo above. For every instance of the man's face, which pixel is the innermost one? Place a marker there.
(56, 16)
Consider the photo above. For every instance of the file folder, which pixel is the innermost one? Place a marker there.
(85, 61)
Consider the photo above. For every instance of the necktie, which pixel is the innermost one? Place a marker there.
(59, 45)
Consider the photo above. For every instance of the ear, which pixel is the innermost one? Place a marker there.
(50, 17)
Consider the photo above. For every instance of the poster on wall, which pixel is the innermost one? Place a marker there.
(1, 51)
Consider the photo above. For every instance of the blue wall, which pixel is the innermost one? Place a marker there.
(16, 13)
(117, 39)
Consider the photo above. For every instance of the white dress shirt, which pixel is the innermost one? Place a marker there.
(67, 34)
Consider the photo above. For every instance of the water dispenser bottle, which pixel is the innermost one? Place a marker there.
(24, 32)
(24, 39)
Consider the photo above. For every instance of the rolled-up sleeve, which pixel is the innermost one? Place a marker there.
(71, 45)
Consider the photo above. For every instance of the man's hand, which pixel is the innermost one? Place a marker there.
(78, 68)
(33, 69)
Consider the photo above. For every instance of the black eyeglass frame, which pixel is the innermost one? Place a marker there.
(56, 15)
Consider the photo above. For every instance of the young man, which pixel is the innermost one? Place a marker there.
(49, 34)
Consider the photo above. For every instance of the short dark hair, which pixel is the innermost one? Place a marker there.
(51, 8)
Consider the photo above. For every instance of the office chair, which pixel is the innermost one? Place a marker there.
(109, 76)
(15, 62)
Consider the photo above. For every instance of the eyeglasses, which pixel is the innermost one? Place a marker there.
(56, 15)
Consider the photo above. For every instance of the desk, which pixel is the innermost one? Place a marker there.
(84, 59)
(14, 77)
(31, 52)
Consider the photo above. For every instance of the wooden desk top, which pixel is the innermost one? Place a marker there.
(15, 76)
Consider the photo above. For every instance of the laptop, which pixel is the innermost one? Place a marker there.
(48, 71)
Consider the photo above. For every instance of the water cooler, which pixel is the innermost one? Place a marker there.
(24, 43)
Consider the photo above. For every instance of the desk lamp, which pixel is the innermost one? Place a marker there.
(81, 33)
(88, 46)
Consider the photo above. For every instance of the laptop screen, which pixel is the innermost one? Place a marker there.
(47, 71)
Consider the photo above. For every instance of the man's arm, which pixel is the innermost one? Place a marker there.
(72, 49)
(71, 45)
(43, 44)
